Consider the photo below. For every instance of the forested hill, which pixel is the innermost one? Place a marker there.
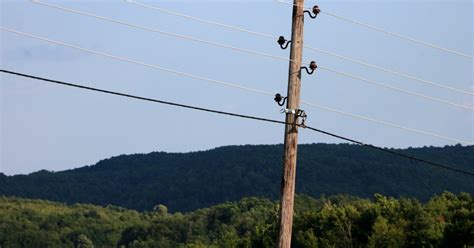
(187, 181)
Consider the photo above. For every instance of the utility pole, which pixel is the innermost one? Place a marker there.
(291, 129)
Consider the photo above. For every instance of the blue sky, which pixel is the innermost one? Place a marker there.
(50, 127)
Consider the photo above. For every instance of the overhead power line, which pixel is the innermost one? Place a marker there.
(160, 31)
(386, 32)
(395, 88)
(138, 62)
(380, 122)
(202, 20)
(273, 37)
(255, 53)
(391, 151)
(390, 71)
(398, 35)
(233, 85)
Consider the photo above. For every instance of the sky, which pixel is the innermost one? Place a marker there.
(45, 126)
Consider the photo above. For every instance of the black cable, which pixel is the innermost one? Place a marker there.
(392, 152)
(241, 116)
(140, 98)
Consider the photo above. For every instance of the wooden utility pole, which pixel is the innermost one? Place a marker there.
(291, 129)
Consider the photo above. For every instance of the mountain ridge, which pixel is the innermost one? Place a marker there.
(188, 181)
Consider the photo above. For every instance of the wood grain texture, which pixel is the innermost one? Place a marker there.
(291, 130)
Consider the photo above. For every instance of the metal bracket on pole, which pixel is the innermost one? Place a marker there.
(288, 111)
(298, 113)
(303, 115)
(315, 11)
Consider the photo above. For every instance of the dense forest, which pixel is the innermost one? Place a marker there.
(446, 220)
(188, 181)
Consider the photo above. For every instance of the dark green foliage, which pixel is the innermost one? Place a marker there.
(188, 181)
(339, 221)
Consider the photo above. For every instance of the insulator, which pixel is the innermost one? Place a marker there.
(281, 40)
(278, 97)
(316, 9)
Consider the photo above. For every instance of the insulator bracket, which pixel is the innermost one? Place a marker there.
(312, 66)
(280, 99)
(283, 42)
(315, 11)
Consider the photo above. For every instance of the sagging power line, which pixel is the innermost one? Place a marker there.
(273, 37)
(384, 85)
(236, 115)
(228, 84)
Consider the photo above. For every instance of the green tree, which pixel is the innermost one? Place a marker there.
(83, 242)
(385, 234)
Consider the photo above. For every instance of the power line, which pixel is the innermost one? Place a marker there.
(252, 52)
(384, 123)
(390, 151)
(398, 35)
(395, 88)
(162, 32)
(136, 97)
(390, 71)
(233, 85)
(202, 20)
(305, 46)
(139, 63)
(387, 32)
(236, 115)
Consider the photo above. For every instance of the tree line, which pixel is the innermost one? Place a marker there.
(446, 220)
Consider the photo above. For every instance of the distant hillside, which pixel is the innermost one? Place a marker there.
(188, 181)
